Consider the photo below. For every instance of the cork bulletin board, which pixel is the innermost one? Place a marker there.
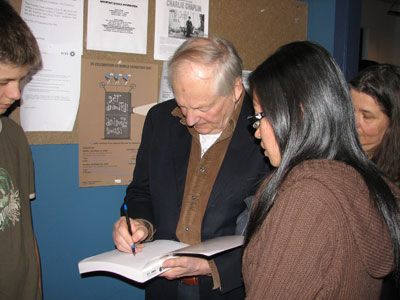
(256, 28)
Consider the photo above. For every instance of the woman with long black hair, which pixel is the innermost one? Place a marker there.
(326, 223)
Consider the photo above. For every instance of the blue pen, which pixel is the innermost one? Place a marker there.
(128, 222)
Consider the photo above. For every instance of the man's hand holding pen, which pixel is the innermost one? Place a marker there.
(123, 240)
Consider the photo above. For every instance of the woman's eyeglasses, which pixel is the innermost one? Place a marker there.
(255, 120)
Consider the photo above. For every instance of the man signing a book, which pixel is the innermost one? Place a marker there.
(196, 164)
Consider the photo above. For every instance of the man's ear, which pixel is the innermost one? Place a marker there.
(238, 89)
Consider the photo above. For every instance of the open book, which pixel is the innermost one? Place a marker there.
(147, 263)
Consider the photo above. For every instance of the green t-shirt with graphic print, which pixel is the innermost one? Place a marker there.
(19, 271)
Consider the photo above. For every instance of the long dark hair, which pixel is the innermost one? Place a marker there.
(307, 102)
(382, 82)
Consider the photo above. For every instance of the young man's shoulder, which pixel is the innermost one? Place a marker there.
(10, 130)
(8, 124)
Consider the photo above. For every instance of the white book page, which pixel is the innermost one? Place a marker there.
(213, 246)
(127, 264)
(147, 263)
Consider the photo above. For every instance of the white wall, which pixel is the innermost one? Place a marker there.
(381, 38)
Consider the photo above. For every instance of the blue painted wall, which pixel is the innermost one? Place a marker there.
(321, 22)
(347, 36)
(335, 24)
(72, 223)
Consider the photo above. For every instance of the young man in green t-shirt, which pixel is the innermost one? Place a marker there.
(19, 257)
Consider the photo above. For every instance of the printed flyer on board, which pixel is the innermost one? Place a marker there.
(116, 96)
(177, 21)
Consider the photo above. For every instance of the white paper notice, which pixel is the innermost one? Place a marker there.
(117, 26)
(245, 79)
(166, 91)
(177, 21)
(50, 99)
(56, 24)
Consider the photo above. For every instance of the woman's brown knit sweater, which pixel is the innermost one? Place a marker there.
(323, 239)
